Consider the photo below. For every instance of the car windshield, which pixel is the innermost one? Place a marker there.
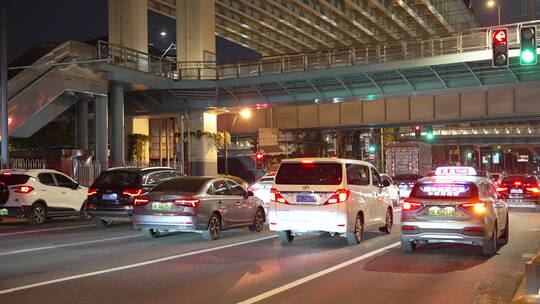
(445, 190)
(181, 184)
(14, 179)
(413, 177)
(117, 179)
(519, 178)
(309, 174)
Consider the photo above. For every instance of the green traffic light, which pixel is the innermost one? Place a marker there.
(527, 56)
(430, 136)
(469, 155)
(371, 149)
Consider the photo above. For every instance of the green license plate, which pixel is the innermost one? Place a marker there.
(3, 212)
(442, 211)
(161, 206)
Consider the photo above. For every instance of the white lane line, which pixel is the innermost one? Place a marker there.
(44, 230)
(89, 274)
(311, 277)
(68, 245)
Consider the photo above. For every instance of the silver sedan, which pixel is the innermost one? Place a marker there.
(206, 205)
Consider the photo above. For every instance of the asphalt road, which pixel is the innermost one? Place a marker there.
(69, 261)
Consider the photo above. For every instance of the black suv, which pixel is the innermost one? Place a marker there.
(111, 196)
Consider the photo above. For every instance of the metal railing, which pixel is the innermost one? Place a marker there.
(465, 41)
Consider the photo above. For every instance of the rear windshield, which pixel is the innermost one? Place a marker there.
(413, 177)
(444, 191)
(182, 184)
(266, 180)
(522, 179)
(309, 174)
(117, 179)
(15, 179)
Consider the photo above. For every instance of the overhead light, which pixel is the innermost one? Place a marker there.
(246, 113)
(163, 34)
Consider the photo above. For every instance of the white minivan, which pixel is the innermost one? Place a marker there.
(338, 196)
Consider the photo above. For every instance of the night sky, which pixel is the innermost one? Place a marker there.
(33, 21)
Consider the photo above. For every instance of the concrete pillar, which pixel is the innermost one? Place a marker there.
(101, 136)
(117, 111)
(128, 24)
(195, 33)
(203, 151)
(81, 124)
(139, 125)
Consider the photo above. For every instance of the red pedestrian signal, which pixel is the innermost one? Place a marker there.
(499, 46)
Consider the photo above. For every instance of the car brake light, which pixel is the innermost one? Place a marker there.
(24, 189)
(7, 173)
(140, 201)
(410, 205)
(133, 192)
(190, 202)
(533, 189)
(91, 191)
(502, 189)
(478, 207)
(276, 197)
(517, 183)
(341, 196)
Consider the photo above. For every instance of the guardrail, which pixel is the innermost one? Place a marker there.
(466, 41)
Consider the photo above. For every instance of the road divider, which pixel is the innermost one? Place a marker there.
(135, 265)
(67, 245)
(311, 277)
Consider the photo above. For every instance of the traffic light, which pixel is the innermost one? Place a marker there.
(429, 134)
(372, 149)
(527, 38)
(499, 45)
(417, 131)
(259, 158)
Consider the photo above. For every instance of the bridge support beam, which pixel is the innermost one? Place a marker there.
(117, 134)
(203, 151)
(101, 136)
(81, 124)
(128, 24)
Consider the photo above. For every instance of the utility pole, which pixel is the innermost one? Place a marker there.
(3, 87)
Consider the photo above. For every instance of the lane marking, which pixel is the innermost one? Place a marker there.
(89, 274)
(68, 245)
(43, 230)
(311, 277)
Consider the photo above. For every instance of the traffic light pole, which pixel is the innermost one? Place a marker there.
(3, 87)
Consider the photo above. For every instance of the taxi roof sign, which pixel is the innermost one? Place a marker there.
(455, 171)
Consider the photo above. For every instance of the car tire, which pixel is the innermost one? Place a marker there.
(286, 236)
(101, 223)
(150, 233)
(214, 228)
(258, 221)
(355, 237)
(490, 248)
(408, 246)
(389, 221)
(4, 193)
(83, 215)
(38, 214)
(503, 239)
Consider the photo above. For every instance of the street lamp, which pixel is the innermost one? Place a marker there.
(492, 4)
(245, 113)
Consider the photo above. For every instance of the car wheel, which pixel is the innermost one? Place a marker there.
(258, 222)
(408, 246)
(490, 247)
(355, 237)
(503, 239)
(214, 228)
(151, 233)
(4, 193)
(103, 223)
(389, 221)
(286, 237)
(38, 214)
(83, 215)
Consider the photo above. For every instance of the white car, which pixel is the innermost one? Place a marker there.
(261, 189)
(392, 191)
(40, 194)
(338, 196)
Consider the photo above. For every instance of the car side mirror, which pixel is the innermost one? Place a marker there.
(74, 186)
(385, 183)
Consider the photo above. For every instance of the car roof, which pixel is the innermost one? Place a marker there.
(32, 172)
(138, 169)
(327, 160)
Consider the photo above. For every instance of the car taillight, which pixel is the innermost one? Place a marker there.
(341, 196)
(517, 183)
(190, 202)
(91, 192)
(502, 189)
(477, 207)
(24, 189)
(133, 192)
(410, 205)
(410, 185)
(533, 189)
(252, 188)
(276, 197)
(140, 201)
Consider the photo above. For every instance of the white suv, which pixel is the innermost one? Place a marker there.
(339, 196)
(40, 194)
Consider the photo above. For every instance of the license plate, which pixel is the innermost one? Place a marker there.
(109, 197)
(3, 212)
(162, 206)
(306, 199)
(441, 211)
(516, 190)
